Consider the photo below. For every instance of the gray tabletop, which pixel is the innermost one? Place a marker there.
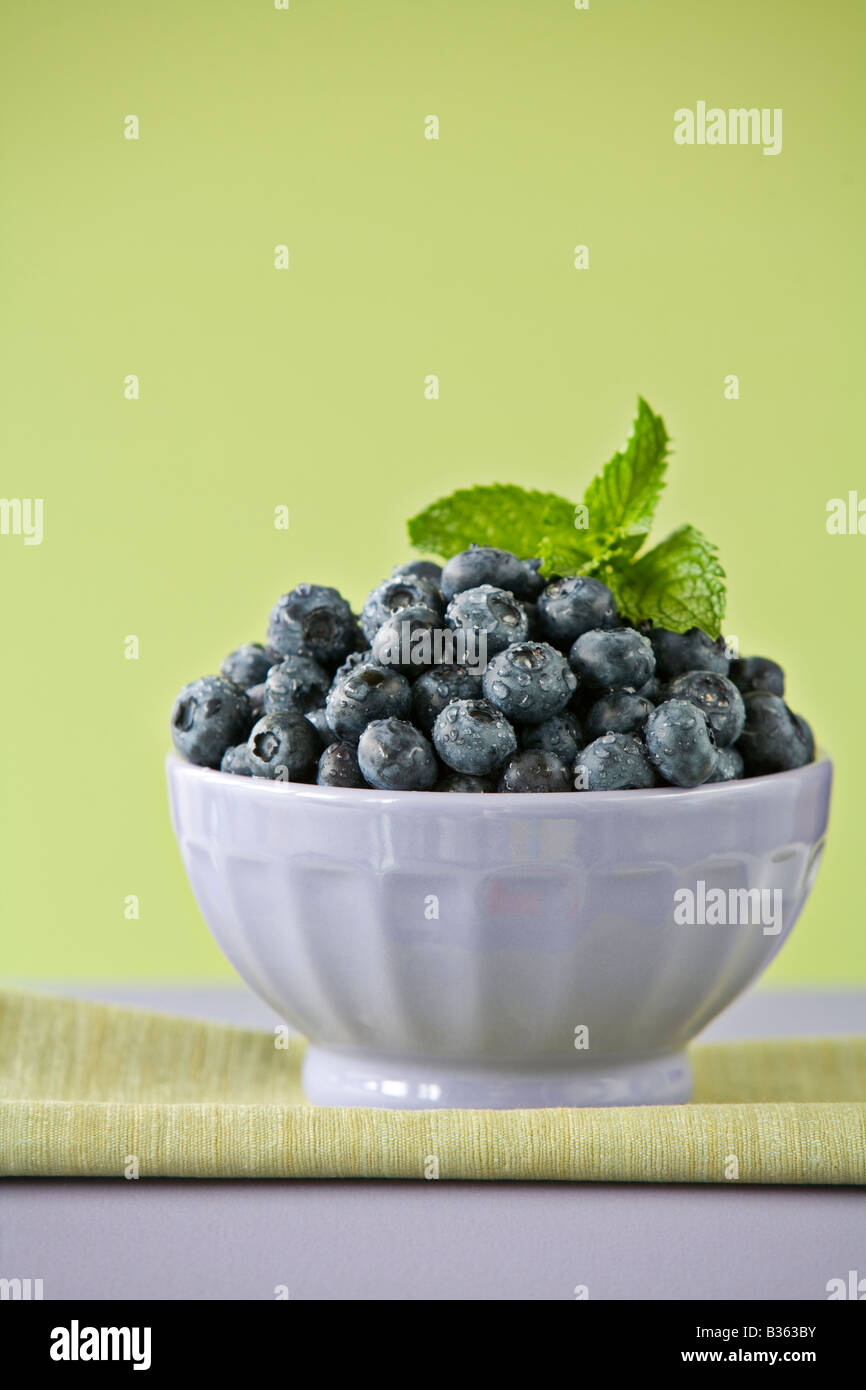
(110, 1239)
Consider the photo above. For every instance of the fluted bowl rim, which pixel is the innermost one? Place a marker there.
(505, 803)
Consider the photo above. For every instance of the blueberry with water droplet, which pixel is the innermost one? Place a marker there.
(209, 716)
(612, 660)
(494, 612)
(369, 692)
(618, 712)
(237, 760)
(395, 756)
(419, 569)
(247, 665)
(283, 748)
(569, 607)
(535, 770)
(352, 662)
(296, 686)
(313, 620)
(412, 640)
(338, 767)
(317, 718)
(472, 736)
(681, 743)
(561, 734)
(394, 594)
(719, 699)
(729, 767)
(529, 682)
(613, 763)
(463, 782)
(435, 689)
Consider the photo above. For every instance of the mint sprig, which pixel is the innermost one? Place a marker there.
(620, 502)
(503, 515)
(618, 505)
(678, 584)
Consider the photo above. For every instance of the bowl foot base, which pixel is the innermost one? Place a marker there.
(332, 1077)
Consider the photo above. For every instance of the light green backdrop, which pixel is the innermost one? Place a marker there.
(305, 387)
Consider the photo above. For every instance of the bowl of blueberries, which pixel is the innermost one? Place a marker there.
(490, 843)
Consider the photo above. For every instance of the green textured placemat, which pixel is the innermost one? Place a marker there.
(95, 1090)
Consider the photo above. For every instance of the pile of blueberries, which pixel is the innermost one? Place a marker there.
(569, 697)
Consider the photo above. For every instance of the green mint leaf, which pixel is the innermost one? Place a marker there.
(620, 502)
(502, 515)
(566, 552)
(678, 584)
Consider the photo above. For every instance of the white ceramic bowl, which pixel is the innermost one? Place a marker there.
(497, 950)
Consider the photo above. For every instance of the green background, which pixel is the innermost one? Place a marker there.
(306, 387)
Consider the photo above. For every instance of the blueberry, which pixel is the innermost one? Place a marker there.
(613, 763)
(412, 640)
(529, 681)
(678, 652)
(561, 734)
(419, 569)
(368, 693)
(352, 662)
(774, 739)
(389, 597)
(247, 665)
(618, 712)
(757, 673)
(395, 756)
(483, 564)
(653, 690)
(533, 582)
(535, 770)
(338, 767)
(719, 699)
(318, 719)
(435, 689)
(208, 716)
(296, 686)
(533, 626)
(237, 760)
(315, 621)
(256, 697)
(472, 736)
(494, 612)
(806, 735)
(612, 660)
(283, 748)
(569, 607)
(729, 766)
(463, 782)
(681, 743)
